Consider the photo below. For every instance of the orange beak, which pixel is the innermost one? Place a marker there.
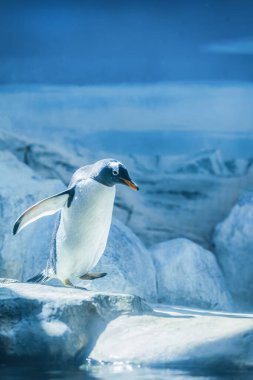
(130, 184)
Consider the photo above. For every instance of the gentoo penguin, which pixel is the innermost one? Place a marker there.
(84, 220)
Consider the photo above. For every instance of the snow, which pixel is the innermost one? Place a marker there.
(187, 274)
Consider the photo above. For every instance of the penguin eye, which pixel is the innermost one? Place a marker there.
(115, 172)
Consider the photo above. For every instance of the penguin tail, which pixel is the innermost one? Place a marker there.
(39, 278)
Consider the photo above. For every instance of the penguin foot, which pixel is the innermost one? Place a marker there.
(82, 288)
(67, 282)
(92, 276)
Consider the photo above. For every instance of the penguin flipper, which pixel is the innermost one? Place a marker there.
(48, 206)
(92, 276)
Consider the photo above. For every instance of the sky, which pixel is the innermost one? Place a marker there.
(134, 41)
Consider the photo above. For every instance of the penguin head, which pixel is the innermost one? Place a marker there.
(110, 172)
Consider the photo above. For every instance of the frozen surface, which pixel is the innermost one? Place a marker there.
(187, 274)
(233, 240)
(178, 338)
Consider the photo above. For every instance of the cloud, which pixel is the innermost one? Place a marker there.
(240, 46)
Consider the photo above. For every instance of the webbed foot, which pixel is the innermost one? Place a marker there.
(92, 276)
(67, 282)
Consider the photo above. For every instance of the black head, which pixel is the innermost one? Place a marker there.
(111, 172)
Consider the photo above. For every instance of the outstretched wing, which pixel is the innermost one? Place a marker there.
(48, 206)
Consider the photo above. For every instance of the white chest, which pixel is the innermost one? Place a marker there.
(84, 229)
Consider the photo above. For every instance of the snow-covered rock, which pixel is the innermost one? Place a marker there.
(209, 162)
(21, 187)
(175, 201)
(56, 324)
(129, 265)
(233, 241)
(187, 274)
(239, 166)
(178, 338)
(47, 161)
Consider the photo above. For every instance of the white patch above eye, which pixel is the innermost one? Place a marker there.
(115, 167)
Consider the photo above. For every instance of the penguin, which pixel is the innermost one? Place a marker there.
(84, 220)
